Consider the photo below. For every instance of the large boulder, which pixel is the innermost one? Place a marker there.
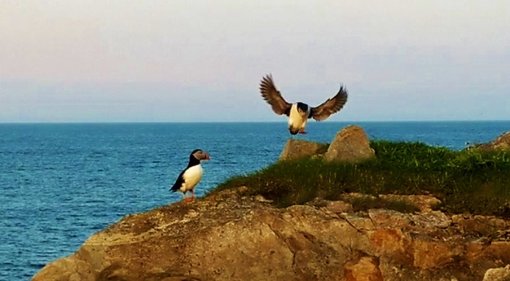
(230, 235)
(350, 145)
(296, 149)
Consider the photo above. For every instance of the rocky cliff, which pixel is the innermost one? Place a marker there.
(230, 235)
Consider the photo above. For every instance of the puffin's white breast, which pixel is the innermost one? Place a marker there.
(296, 119)
(191, 177)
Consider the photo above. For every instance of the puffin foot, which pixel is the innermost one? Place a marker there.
(303, 132)
(188, 199)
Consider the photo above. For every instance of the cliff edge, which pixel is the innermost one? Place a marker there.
(231, 236)
(235, 235)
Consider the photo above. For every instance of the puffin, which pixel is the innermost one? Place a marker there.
(191, 175)
(300, 112)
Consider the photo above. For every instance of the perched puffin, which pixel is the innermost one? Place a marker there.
(299, 112)
(191, 176)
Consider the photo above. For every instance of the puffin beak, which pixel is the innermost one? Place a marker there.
(206, 156)
(293, 131)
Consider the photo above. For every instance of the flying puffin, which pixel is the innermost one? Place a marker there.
(191, 176)
(299, 112)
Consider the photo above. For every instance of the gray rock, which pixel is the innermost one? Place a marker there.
(351, 144)
(296, 149)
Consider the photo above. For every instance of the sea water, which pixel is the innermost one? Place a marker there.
(60, 183)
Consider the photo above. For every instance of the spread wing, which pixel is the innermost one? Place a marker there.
(330, 106)
(273, 96)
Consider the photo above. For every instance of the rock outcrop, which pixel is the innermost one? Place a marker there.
(230, 235)
(351, 144)
(296, 149)
(500, 143)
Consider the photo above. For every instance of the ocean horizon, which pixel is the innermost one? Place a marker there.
(63, 181)
(228, 122)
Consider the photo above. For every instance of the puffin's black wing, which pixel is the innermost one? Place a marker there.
(273, 96)
(178, 183)
(330, 106)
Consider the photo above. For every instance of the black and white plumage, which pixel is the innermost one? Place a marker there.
(299, 112)
(192, 174)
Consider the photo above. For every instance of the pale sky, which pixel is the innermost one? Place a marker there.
(195, 60)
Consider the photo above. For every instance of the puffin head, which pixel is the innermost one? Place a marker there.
(303, 109)
(199, 154)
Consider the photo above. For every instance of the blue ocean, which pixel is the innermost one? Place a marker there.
(60, 183)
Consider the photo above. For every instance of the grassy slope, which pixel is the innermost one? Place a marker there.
(466, 181)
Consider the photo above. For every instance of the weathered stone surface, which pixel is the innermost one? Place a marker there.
(430, 254)
(498, 274)
(232, 236)
(391, 243)
(72, 268)
(339, 207)
(351, 144)
(425, 203)
(500, 143)
(365, 269)
(295, 149)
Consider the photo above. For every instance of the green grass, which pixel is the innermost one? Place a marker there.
(465, 181)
